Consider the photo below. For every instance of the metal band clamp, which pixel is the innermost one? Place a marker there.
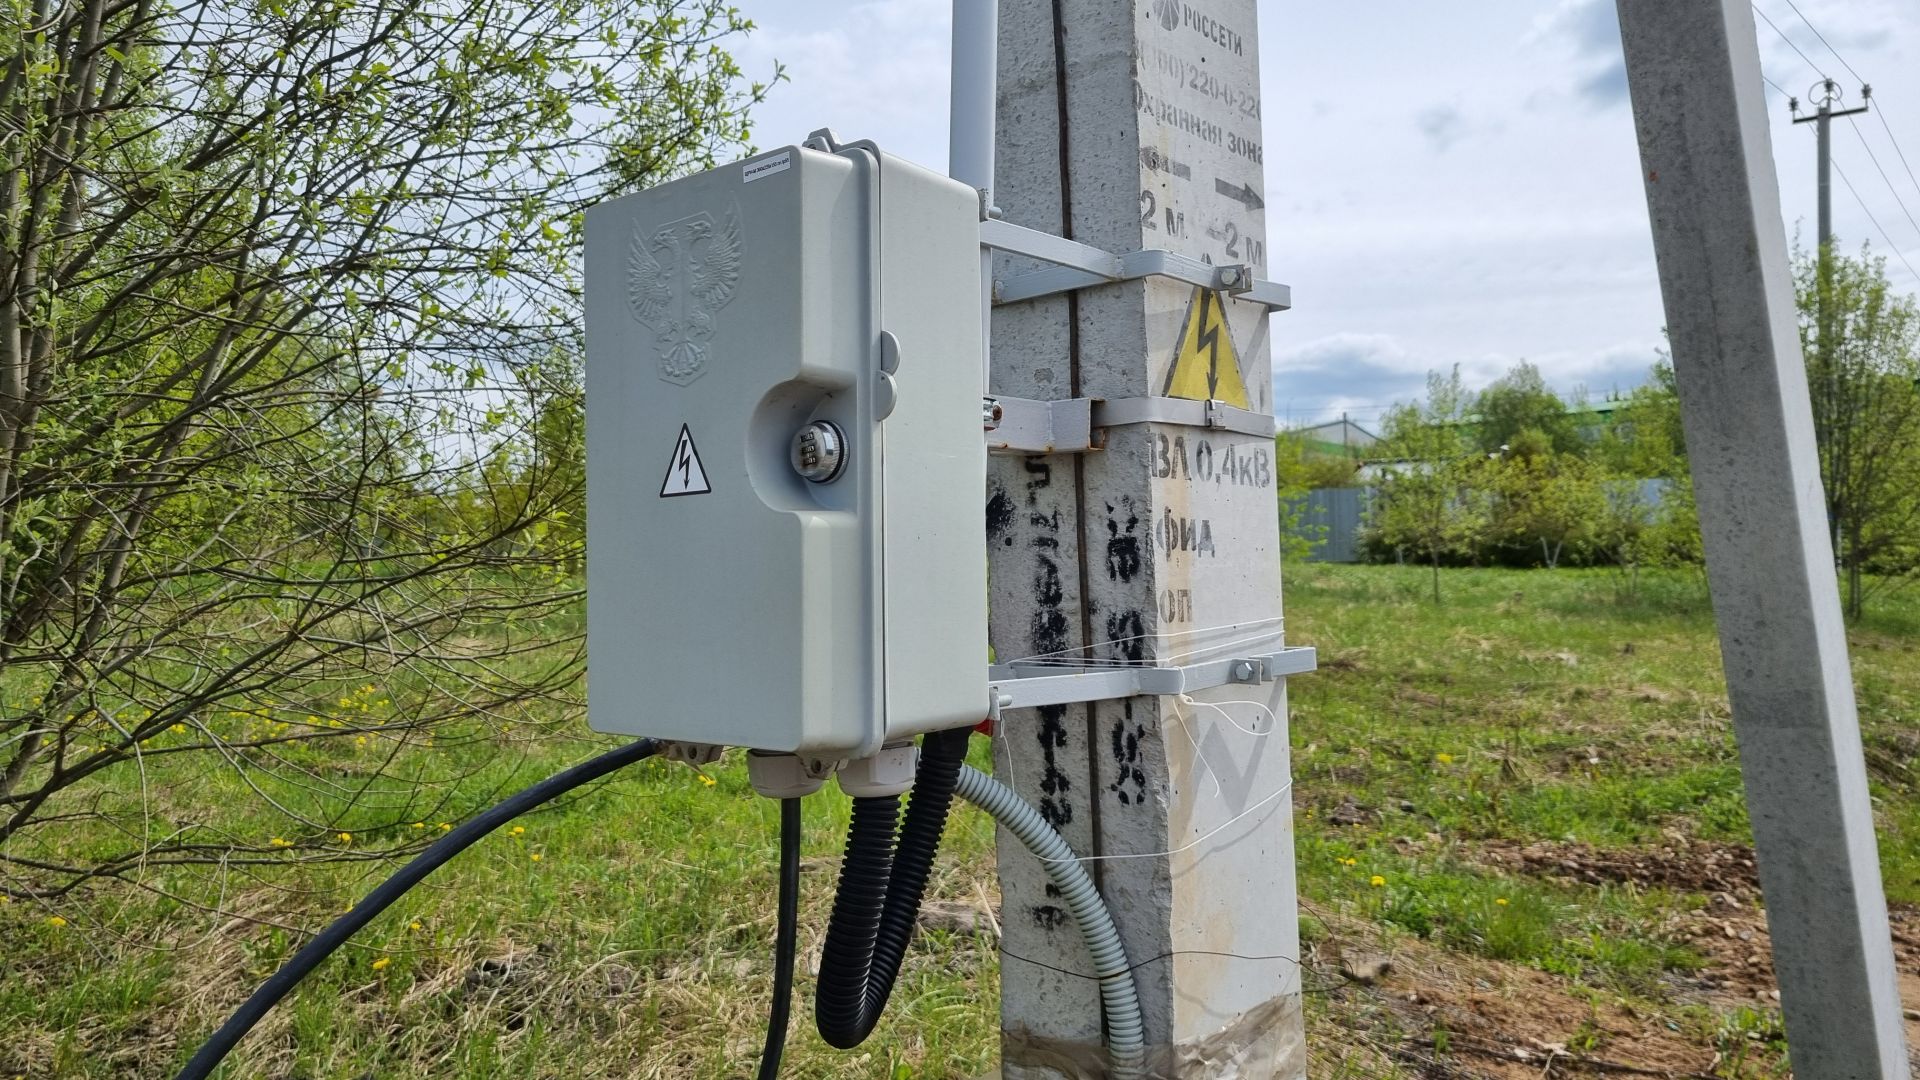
(1075, 425)
(1080, 266)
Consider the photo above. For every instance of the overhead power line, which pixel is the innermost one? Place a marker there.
(1851, 70)
(1888, 240)
(1895, 192)
(1881, 112)
(1823, 41)
(1891, 246)
(1790, 42)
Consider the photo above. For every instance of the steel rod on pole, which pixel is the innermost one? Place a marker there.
(1693, 69)
(970, 134)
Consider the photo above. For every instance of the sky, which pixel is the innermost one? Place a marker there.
(1447, 184)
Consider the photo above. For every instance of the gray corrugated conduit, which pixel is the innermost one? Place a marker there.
(1126, 1031)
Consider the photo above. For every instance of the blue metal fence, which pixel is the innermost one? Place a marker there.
(1330, 518)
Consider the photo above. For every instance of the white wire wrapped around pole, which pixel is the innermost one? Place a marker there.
(1126, 1030)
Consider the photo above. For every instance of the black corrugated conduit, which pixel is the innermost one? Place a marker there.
(882, 878)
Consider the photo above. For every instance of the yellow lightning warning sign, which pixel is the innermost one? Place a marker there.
(1205, 366)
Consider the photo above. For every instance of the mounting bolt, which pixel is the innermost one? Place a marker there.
(1243, 671)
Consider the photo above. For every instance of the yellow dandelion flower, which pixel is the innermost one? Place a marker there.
(1501, 900)
(280, 841)
(381, 964)
(708, 780)
(419, 824)
(445, 827)
(178, 729)
(1376, 881)
(415, 925)
(1444, 759)
(1349, 862)
(5, 899)
(519, 830)
(359, 740)
(346, 838)
(56, 921)
(535, 856)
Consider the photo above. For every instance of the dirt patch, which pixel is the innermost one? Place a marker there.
(1347, 660)
(1687, 865)
(1449, 1015)
(1738, 952)
(1729, 933)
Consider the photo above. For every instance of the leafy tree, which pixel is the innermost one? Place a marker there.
(1649, 517)
(1862, 343)
(1553, 500)
(1304, 465)
(1430, 497)
(284, 289)
(1645, 439)
(1521, 401)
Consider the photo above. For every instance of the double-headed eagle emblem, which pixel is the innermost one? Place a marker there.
(678, 276)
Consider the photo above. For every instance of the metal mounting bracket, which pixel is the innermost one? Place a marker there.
(1079, 266)
(1025, 686)
(1026, 426)
(1075, 425)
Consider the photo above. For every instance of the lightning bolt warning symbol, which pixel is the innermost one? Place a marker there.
(1205, 365)
(685, 474)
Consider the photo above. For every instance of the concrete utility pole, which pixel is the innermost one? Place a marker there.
(1823, 116)
(1131, 126)
(1693, 68)
(1823, 272)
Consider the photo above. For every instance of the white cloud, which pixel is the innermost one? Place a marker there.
(1527, 237)
(874, 70)
(1443, 125)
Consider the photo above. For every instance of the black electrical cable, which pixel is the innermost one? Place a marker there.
(878, 901)
(785, 940)
(281, 982)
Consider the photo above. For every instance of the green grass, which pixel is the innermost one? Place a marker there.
(623, 932)
(1530, 706)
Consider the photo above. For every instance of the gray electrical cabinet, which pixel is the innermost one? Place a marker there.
(785, 465)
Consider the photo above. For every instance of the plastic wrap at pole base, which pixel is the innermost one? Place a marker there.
(1126, 1029)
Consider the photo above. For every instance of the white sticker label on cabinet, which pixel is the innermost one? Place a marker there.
(766, 166)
